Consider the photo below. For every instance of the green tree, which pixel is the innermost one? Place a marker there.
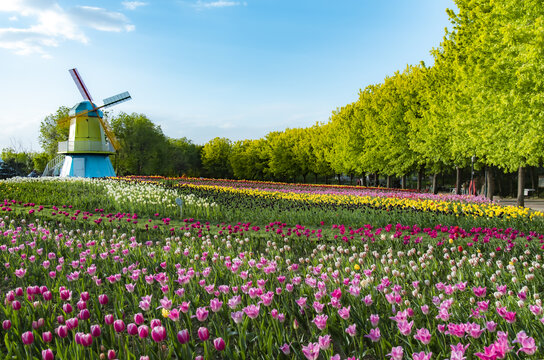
(144, 147)
(51, 133)
(184, 158)
(215, 158)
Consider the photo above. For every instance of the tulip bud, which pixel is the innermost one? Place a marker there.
(183, 336)
(27, 337)
(219, 344)
(48, 354)
(95, 330)
(47, 336)
(143, 331)
(203, 334)
(119, 326)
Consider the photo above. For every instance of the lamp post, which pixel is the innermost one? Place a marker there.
(472, 185)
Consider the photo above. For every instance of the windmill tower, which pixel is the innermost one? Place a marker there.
(90, 139)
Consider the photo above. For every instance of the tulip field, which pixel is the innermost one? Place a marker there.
(116, 269)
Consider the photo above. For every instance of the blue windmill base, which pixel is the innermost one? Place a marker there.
(87, 165)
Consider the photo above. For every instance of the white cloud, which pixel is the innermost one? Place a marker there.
(53, 25)
(13, 18)
(218, 4)
(132, 5)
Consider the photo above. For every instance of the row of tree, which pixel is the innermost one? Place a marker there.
(481, 102)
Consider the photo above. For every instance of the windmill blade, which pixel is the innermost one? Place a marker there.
(109, 133)
(80, 85)
(117, 99)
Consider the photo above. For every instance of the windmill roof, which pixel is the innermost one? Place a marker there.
(85, 106)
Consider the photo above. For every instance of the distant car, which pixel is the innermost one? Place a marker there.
(33, 174)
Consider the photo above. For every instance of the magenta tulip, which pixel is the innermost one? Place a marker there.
(183, 336)
(95, 330)
(6, 324)
(132, 329)
(48, 354)
(139, 318)
(103, 299)
(108, 319)
(27, 337)
(203, 334)
(119, 326)
(158, 333)
(143, 331)
(47, 336)
(111, 354)
(86, 340)
(62, 331)
(219, 344)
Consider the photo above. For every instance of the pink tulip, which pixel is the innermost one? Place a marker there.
(374, 335)
(47, 354)
(86, 340)
(320, 321)
(219, 344)
(132, 329)
(324, 342)
(111, 354)
(103, 299)
(139, 318)
(84, 314)
(62, 331)
(396, 353)
(119, 326)
(158, 333)
(47, 336)
(183, 336)
(155, 322)
(203, 334)
(6, 324)
(285, 349)
(311, 351)
(252, 311)
(351, 330)
(108, 319)
(201, 313)
(27, 337)
(72, 323)
(143, 331)
(16, 305)
(95, 330)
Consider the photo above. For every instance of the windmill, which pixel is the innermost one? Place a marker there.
(90, 139)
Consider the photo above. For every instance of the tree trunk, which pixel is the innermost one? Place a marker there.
(457, 180)
(533, 183)
(388, 182)
(351, 179)
(304, 178)
(521, 182)
(376, 179)
(490, 182)
(435, 184)
(364, 179)
(339, 180)
(316, 178)
(419, 179)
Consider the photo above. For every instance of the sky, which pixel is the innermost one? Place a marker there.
(206, 68)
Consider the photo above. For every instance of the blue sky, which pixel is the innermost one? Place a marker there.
(206, 68)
